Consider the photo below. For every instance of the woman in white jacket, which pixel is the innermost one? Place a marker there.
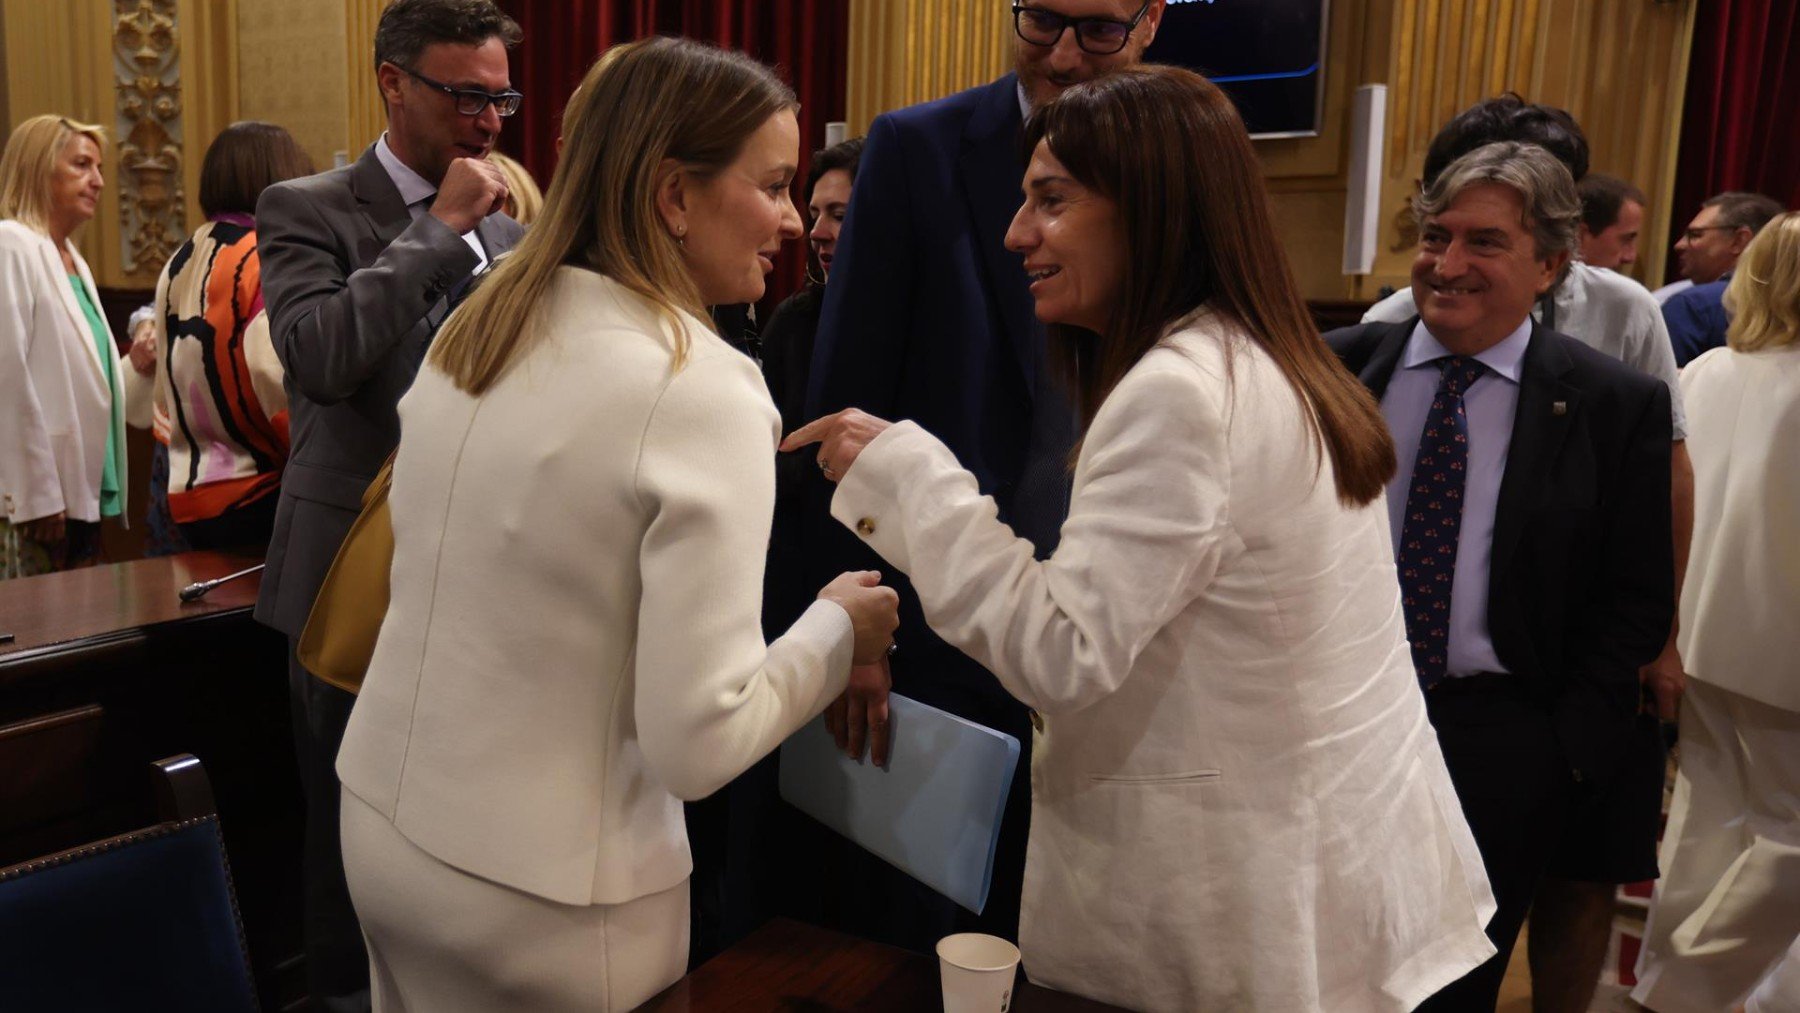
(581, 506)
(62, 380)
(1237, 800)
(1728, 903)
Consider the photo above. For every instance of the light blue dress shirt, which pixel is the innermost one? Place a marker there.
(1490, 404)
(417, 192)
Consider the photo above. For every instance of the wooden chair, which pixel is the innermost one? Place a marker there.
(145, 920)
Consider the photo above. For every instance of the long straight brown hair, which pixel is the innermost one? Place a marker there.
(642, 103)
(1169, 149)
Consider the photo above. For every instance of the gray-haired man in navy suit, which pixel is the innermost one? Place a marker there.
(1530, 517)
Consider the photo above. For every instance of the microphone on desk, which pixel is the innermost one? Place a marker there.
(197, 591)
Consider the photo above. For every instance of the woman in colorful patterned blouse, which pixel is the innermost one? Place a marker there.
(220, 406)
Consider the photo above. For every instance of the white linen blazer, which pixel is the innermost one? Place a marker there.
(574, 641)
(1743, 576)
(1237, 800)
(55, 403)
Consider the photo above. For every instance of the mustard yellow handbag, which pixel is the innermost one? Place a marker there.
(339, 638)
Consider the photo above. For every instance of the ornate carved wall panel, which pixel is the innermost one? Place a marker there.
(152, 196)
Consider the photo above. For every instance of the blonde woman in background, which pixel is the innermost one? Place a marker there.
(524, 201)
(582, 447)
(62, 379)
(1728, 904)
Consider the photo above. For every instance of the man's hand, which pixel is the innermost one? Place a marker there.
(859, 715)
(1666, 681)
(473, 188)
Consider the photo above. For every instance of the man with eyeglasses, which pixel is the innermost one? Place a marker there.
(928, 317)
(1708, 250)
(360, 266)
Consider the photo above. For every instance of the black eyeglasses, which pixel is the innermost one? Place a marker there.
(1693, 235)
(471, 101)
(1099, 36)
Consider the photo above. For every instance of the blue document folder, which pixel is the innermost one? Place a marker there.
(934, 814)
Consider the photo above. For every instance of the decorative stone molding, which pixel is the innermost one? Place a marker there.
(147, 70)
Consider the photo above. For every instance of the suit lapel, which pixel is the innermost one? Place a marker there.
(1539, 429)
(378, 199)
(66, 293)
(493, 239)
(1389, 343)
(991, 171)
(386, 212)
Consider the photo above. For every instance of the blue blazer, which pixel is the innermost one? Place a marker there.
(1697, 320)
(928, 317)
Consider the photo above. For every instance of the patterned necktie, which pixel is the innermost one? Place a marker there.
(1434, 504)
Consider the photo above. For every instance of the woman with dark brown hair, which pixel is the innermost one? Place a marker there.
(220, 407)
(1238, 802)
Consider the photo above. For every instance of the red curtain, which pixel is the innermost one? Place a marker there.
(1740, 128)
(805, 40)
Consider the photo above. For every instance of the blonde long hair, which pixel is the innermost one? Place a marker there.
(524, 201)
(642, 103)
(1764, 295)
(29, 162)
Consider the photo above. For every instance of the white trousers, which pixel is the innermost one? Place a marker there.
(441, 939)
(1728, 904)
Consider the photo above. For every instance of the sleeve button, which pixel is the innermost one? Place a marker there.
(865, 527)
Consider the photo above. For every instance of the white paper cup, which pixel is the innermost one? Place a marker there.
(978, 972)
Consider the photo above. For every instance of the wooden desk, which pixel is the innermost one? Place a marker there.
(790, 967)
(109, 670)
(79, 611)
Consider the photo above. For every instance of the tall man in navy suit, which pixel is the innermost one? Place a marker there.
(1530, 517)
(928, 317)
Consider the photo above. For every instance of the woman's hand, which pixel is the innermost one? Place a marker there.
(50, 530)
(841, 439)
(874, 612)
(860, 713)
(143, 351)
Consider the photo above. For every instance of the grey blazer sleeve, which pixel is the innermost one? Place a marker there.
(333, 327)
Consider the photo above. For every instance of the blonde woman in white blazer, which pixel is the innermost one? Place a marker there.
(1728, 903)
(1237, 800)
(63, 384)
(581, 508)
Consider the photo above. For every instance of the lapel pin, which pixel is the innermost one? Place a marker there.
(1559, 407)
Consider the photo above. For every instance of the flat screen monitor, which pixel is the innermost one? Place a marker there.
(1268, 55)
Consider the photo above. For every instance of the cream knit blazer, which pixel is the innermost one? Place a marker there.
(574, 642)
(1737, 626)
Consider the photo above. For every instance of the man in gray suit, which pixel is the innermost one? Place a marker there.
(360, 265)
